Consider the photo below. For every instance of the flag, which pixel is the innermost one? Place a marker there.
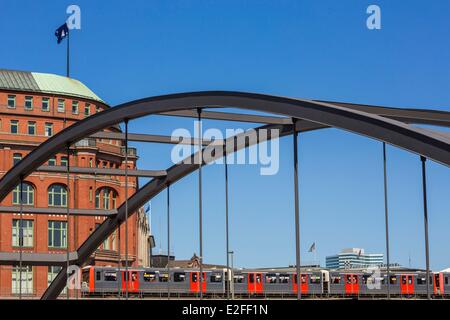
(359, 253)
(147, 209)
(312, 248)
(62, 32)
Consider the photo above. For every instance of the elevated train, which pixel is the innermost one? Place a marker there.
(104, 281)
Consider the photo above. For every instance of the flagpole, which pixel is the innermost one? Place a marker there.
(68, 55)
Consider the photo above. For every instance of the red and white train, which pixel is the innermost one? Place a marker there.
(315, 282)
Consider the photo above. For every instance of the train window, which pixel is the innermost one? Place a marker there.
(110, 276)
(179, 277)
(393, 280)
(271, 278)
(258, 278)
(163, 277)
(251, 278)
(284, 278)
(351, 279)
(149, 276)
(216, 277)
(98, 276)
(238, 279)
(446, 280)
(194, 277)
(85, 275)
(421, 280)
(314, 279)
(336, 279)
(303, 278)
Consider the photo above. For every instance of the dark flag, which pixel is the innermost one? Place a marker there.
(312, 248)
(62, 32)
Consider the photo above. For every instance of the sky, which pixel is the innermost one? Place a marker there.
(319, 49)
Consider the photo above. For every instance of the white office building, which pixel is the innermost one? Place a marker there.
(354, 258)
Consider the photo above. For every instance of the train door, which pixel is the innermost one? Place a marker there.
(195, 282)
(407, 284)
(255, 283)
(132, 277)
(351, 284)
(303, 283)
(439, 283)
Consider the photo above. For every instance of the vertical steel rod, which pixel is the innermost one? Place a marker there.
(168, 241)
(119, 261)
(20, 237)
(226, 222)
(297, 213)
(68, 217)
(425, 220)
(386, 217)
(127, 277)
(200, 204)
(68, 55)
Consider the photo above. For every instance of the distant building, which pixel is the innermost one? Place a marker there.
(354, 258)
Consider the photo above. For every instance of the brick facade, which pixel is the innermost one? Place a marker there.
(82, 189)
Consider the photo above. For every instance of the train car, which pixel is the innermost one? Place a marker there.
(254, 282)
(104, 280)
(346, 283)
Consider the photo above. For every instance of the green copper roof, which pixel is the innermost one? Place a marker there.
(45, 83)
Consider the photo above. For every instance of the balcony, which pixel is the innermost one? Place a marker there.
(88, 142)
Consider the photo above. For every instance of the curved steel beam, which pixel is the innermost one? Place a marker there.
(432, 146)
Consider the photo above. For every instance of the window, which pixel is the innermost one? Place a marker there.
(75, 107)
(216, 278)
(48, 129)
(336, 280)
(52, 272)
(393, 280)
(283, 278)
(27, 280)
(24, 230)
(14, 126)
(271, 278)
(16, 158)
(87, 110)
(314, 279)
(179, 277)
(61, 105)
(105, 198)
(421, 280)
(64, 161)
(52, 161)
(238, 279)
(31, 128)
(57, 196)
(57, 231)
(149, 276)
(28, 103)
(91, 163)
(446, 280)
(97, 109)
(45, 104)
(11, 101)
(27, 194)
(163, 277)
(110, 276)
(98, 276)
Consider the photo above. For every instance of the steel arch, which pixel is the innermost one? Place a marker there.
(426, 143)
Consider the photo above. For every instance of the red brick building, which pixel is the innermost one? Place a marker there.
(33, 107)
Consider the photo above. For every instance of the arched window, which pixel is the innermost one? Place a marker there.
(27, 194)
(106, 198)
(57, 195)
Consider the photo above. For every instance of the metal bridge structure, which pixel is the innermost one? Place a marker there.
(393, 126)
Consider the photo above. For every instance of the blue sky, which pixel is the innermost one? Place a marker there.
(309, 49)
